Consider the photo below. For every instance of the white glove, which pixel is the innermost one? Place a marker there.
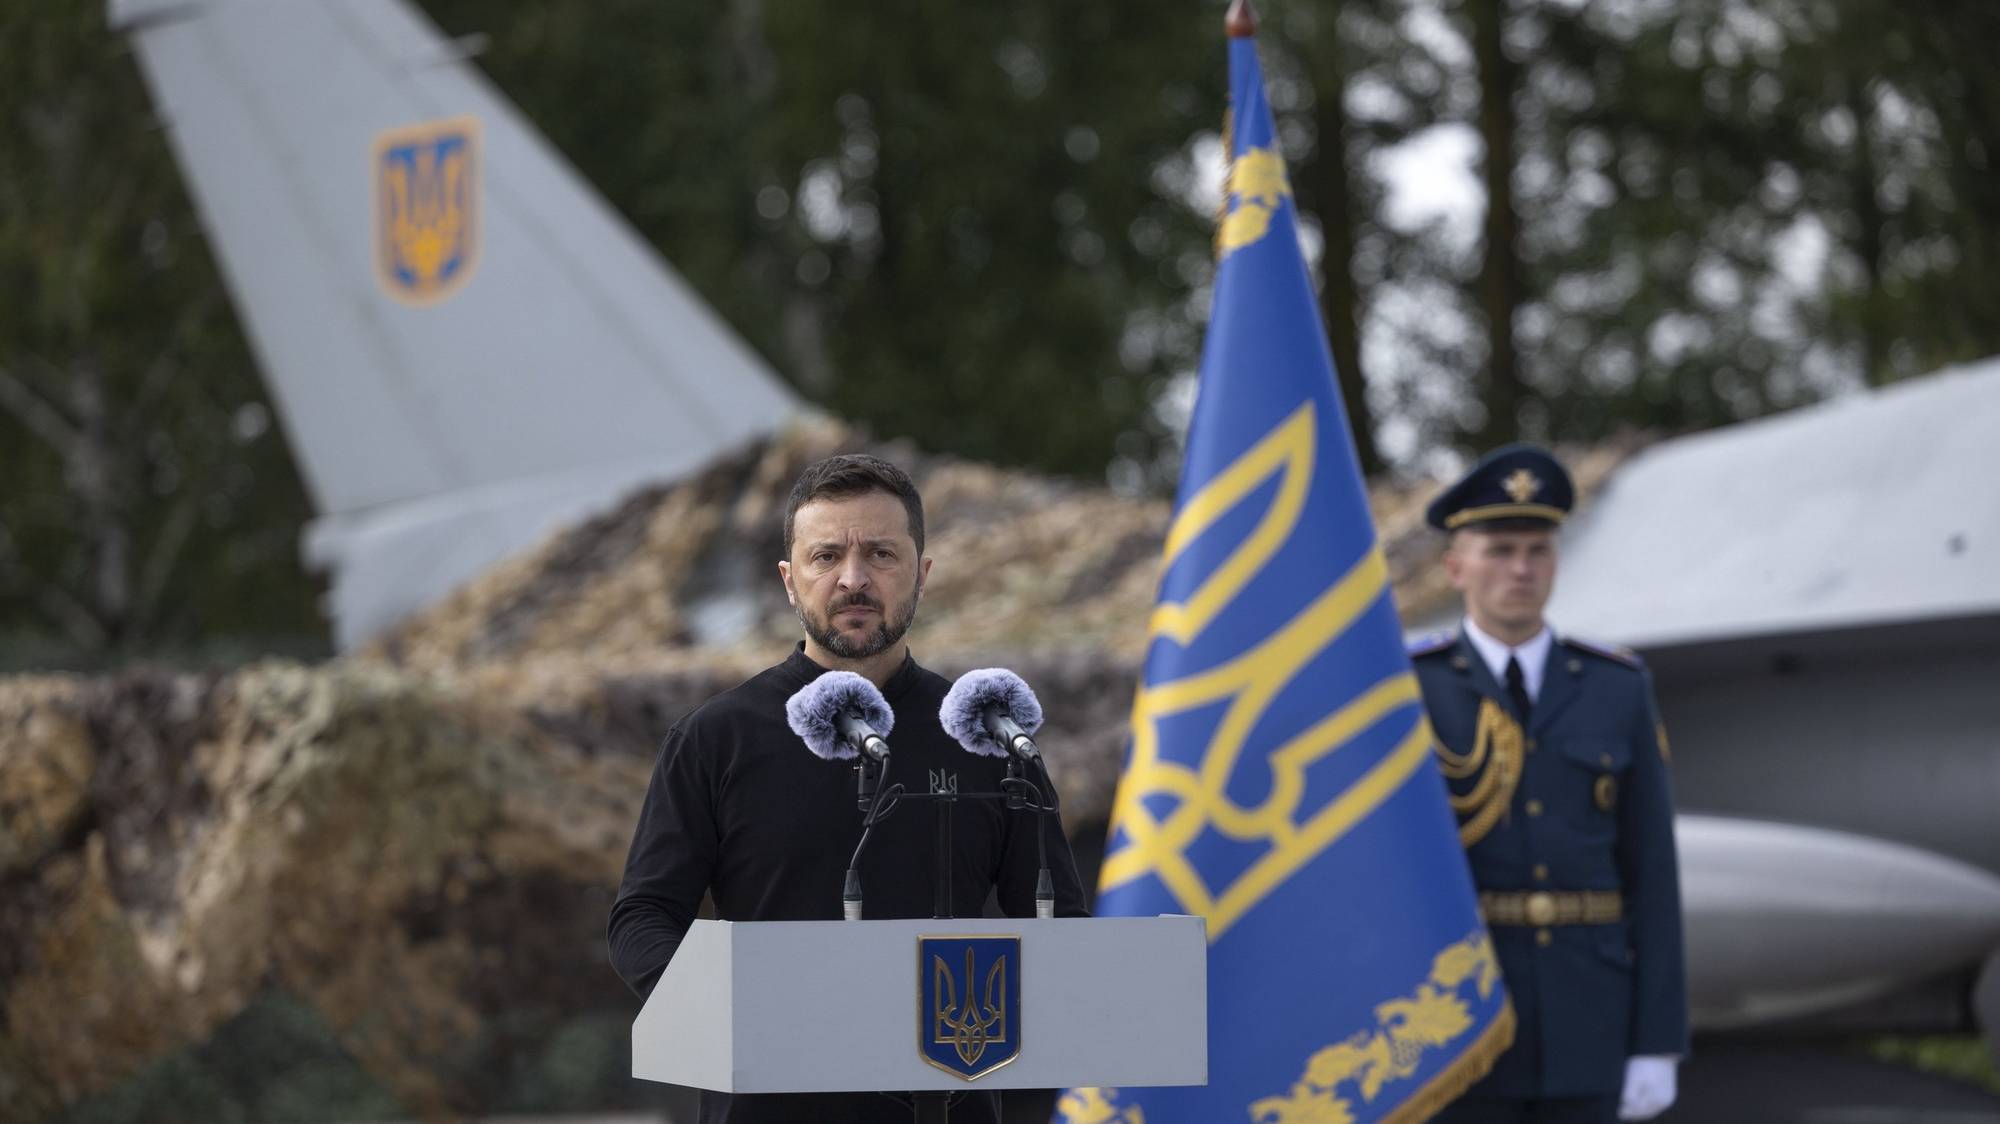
(1649, 1086)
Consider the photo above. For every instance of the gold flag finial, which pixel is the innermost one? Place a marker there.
(1241, 22)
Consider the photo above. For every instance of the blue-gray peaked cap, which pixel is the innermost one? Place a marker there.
(1511, 482)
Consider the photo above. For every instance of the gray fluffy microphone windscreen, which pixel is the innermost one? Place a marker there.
(964, 711)
(811, 712)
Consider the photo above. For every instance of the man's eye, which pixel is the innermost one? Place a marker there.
(884, 552)
(825, 556)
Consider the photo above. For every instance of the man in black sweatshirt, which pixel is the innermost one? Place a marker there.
(738, 807)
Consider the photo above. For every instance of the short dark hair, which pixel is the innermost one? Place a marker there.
(855, 474)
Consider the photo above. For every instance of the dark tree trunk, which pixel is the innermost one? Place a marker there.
(1868, 244)
(1500, 273)
(1333, 198)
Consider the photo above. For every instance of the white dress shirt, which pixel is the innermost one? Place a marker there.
(1533, 656)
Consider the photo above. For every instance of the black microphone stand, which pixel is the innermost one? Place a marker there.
(933, 1107)
(941, 895)
(869, 794)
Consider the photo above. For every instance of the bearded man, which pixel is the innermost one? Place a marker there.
(739, 809)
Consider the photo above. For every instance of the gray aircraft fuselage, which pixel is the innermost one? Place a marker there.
(1890, 732)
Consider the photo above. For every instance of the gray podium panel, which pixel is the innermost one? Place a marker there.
(832, 1006)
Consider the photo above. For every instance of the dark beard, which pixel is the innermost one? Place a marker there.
(886, 635)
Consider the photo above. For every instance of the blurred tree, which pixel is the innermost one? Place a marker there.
(1903, 118)
(1311, 62)
(988, 228)
(149, 498)
(1383, 86)
(970, 225)
(1727, 207)
(1675, 260)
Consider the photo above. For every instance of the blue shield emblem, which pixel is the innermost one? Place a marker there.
(427, 208)
(969, 1003)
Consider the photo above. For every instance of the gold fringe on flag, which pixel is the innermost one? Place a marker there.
(1463, 1073)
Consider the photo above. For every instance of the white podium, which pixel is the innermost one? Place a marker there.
(837, 1006)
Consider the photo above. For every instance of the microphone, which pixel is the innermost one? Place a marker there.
(991, 712)
(840, 716)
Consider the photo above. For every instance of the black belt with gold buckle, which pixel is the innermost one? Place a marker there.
(1543, 908)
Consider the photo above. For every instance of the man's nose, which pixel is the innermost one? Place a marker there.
(853, 575)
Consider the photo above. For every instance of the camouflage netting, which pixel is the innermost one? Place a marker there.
(416, 845)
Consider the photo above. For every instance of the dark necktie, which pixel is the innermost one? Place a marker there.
(1517, 688)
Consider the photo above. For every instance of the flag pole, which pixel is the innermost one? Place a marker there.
(1240, 23)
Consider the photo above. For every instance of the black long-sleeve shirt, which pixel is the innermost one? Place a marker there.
(739, 808)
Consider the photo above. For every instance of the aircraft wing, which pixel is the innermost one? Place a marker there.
(1871, 509)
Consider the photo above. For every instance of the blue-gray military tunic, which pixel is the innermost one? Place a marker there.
(1591, 811)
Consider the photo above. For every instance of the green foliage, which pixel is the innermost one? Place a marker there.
(1962, 1057)
(1733, 208)
(149, 498)
(276, 1062)
(914, 211)
(584, 1062)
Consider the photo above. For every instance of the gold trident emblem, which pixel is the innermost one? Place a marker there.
(971, 1027)
(1258, 183)
(426, 217)
(426, 198)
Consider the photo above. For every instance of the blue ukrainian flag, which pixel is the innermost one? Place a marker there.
(1281, 781)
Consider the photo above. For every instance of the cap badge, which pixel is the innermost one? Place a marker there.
(1522, 485)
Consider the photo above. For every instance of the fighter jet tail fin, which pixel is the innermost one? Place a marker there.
(467, 345)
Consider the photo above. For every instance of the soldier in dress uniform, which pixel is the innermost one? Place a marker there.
(1557, 764)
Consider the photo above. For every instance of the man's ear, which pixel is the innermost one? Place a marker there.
(1453, 562)
(923, 573)
(785, 575)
